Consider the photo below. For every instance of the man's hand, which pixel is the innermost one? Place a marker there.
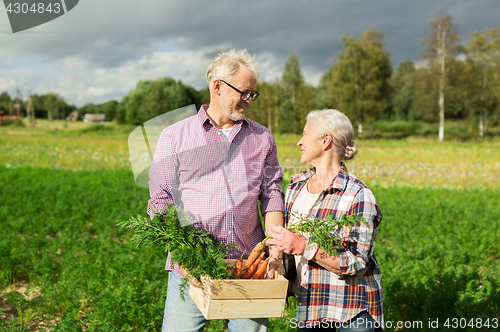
(275, 267)
(289, 242)
(191, 280)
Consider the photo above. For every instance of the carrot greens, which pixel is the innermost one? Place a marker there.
(329, 233)
(197, 251)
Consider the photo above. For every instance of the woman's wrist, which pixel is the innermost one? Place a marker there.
(277, 254)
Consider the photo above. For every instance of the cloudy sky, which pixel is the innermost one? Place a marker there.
(101, 48)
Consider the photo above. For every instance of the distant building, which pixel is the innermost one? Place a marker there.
(99, 117)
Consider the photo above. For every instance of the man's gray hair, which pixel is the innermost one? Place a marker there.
(225, 65)
(338, 125)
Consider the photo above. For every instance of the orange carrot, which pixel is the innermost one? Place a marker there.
(262, 269)
(239, 266)
(252, 267)
(257, 250)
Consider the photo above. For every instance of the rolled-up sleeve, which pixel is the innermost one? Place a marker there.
(271, 192)
(360, 238)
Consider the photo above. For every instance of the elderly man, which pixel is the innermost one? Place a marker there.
(218, 165)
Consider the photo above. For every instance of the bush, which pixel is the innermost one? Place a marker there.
(453, 130)
(14, 123)
(401, 129)
(96, 128)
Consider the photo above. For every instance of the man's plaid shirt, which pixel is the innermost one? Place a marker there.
(326, 296)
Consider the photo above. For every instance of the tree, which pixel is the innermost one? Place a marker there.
(403, 82)
(323, 99)
(439, 44)
(291, 83)
(5, 102)
(109, 109)
(204, 96)
(263, 110)
(121, 111)
(54, 105)
(152, 98)
(360, 78)
(459, 75)
(426, 97)
(483, 54)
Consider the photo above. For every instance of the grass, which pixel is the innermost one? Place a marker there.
(67, 245)
(416, 162)
(438, 252)
(64, 190)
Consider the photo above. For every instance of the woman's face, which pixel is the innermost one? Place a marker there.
(311, 146)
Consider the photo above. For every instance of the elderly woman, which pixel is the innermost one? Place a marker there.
(344, 292)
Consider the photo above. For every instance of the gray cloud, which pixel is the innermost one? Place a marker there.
(112, 37)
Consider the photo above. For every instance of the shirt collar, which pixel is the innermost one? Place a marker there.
(339, 182)
(203, 117)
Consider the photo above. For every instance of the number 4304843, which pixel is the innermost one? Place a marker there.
(36, 8)
(477, 323)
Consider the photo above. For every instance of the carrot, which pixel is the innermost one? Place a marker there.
(253, 267)
(261, 270)
(239, 266)
(257, 250)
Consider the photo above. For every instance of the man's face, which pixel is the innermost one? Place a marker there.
(231, 101)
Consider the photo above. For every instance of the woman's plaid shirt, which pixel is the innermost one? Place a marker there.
(326, 296)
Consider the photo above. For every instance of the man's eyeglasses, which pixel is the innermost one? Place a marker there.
(245, 95)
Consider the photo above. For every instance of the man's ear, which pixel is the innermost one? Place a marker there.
(216, 85)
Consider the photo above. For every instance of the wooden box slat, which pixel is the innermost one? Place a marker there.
(241, 298)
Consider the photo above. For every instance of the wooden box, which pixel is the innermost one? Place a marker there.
(241, 298)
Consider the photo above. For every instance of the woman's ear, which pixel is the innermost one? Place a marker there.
(327, 141)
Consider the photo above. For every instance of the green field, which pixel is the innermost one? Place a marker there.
(64, 188)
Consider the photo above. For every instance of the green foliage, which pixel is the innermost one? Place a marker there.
(50, 106)
(18, 123)
(326, 233)
(96, 128)
(109, 109)
(190, 247)
(292, 97)
(292, 82)
(403, 91)
(264, 109)
(438, 252)
(5, 102)
(57, 231)
(121, 111)
(437, 248)
(455, 130)
(152, 98)
(360, 75)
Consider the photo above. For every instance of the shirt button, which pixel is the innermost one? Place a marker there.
(229, 206)
(229, 232)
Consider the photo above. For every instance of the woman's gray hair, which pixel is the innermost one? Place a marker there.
(338, 125)
(226, 64)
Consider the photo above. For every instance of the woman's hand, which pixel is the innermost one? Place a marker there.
(275, 267)
(289, 242)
